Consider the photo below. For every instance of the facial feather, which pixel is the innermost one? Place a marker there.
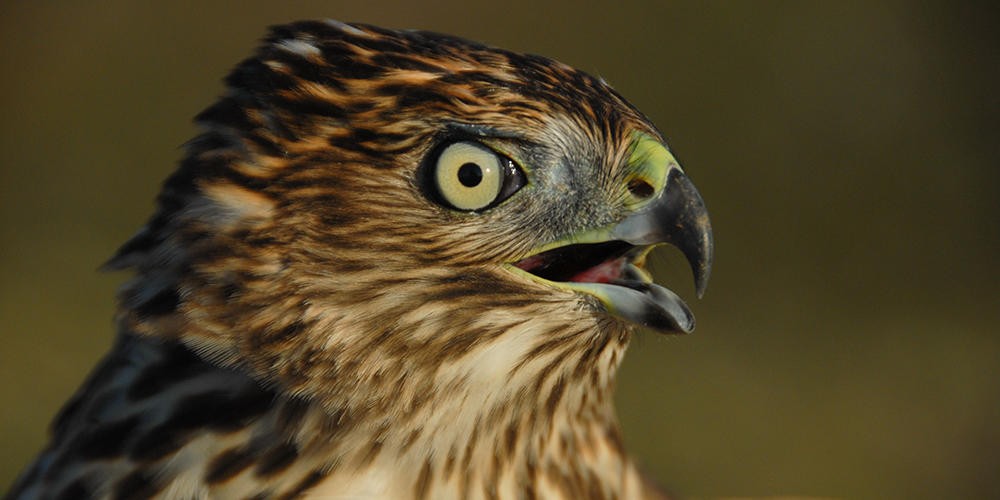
(299, 259)
(307, 180)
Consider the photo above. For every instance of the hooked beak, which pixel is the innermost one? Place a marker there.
(678, 217)
(607, 263)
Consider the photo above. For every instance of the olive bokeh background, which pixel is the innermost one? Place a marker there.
(848, 152)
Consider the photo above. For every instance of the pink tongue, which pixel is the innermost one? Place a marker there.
(604, 272)
(531, 262)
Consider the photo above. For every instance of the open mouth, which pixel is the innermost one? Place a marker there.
(612, 272)
(606, 263)
(580, 263)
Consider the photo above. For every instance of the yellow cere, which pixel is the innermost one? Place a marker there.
(650, 162)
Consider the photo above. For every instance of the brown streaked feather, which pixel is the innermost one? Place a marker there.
(304, 319)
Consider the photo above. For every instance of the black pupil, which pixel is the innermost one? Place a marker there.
(470, 174)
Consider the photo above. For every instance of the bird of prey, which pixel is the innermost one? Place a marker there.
(392, 264)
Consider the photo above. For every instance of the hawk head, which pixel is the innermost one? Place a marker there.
(409, 226)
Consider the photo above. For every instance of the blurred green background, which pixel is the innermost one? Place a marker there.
(848, 152)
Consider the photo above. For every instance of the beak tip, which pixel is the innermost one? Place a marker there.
(702, 266)
(701, 284)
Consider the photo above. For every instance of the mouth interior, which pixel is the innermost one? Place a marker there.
(580, 263)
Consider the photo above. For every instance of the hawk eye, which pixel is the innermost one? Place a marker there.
(470, 176)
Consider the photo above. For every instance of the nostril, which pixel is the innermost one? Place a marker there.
(640, 188)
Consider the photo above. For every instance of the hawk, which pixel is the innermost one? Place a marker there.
(392, 264)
